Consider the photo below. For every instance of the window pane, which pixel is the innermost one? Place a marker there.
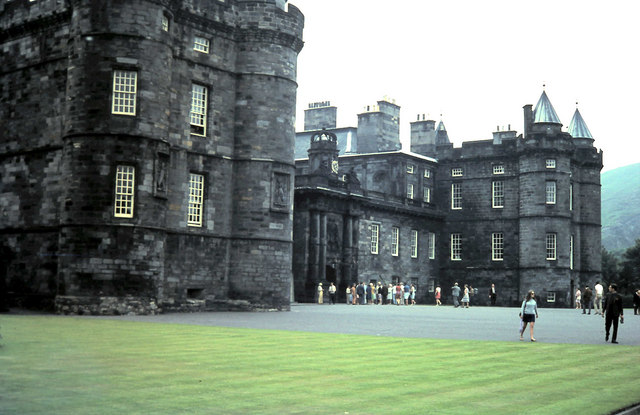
(124, 92)
(196, 198)
(551, 246)
(124, 194)
(198, 115)
(498, 194)
(414, 243)
(456, 247)
(497, 246)
(395, 239)
(432, 245)
(551, 193)
(375, 232)
(456, 196)
(201, 44)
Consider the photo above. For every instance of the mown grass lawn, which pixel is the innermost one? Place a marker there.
(75, 365)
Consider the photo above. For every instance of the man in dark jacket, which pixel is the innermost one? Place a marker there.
(360, 292)
(612, 310)
(586, 300)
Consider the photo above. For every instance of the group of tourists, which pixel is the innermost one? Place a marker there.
(380, 294)
(588, 299)
(461, 297)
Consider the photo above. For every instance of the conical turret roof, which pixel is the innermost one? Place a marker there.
(544, 112)
(442, 137)
(578, 128)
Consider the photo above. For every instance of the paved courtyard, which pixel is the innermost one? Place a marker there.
(446, 322)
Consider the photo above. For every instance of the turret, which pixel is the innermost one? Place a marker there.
(545, 118)
(579, 131)
(442, 137)
(323, 154)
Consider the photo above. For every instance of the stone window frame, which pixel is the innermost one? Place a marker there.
(456, 195)
(456, 247)
(497, 194)
(124, 92)
(410, 168)
(571, 196)
(195, 200)
(497, 246)
(426, 194)
(199, 109)
(375, 239)
(550, 192)
(571, 252)
(414, 243)
(124, 191)
(410, 191)
(551, 239)
(498, 169)
(432, 245)
(427, 173)
(395, 241)
(201, 44)
(457, 172)
(550, 163)
(165, 22)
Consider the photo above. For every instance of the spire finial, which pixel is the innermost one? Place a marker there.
(544, 85)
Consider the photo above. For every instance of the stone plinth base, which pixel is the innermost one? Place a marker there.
(82, 305)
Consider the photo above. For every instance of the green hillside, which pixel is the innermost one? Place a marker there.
(621, 207)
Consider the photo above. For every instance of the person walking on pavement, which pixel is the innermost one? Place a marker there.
(636, 302)
(597, 302)
(612, 311)
(529, 313)
(320, 292)
(360, 291)
(493, 295)
(332, 293)
(465, 297)
(455, 294)
(586, 300)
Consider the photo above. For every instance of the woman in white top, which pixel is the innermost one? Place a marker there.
(529, 313)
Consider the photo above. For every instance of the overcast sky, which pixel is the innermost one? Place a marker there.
(477, 63)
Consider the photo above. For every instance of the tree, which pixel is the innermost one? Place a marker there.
(629, 279)
(610, 267)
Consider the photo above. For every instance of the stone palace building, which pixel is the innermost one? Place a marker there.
(149, 162)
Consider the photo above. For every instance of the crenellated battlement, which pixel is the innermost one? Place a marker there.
(17, 13)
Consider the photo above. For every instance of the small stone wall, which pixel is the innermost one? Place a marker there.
(87, 305)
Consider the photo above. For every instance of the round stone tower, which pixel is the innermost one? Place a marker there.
(268, 42)
(116, 124)
(178, 155)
